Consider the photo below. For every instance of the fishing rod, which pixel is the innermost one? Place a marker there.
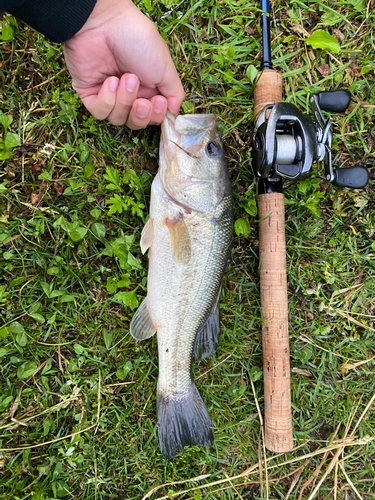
(285, 144)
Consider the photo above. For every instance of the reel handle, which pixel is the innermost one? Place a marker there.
(334, 100)
(355, 177)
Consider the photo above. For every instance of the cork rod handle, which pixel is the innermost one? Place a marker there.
(274, 299)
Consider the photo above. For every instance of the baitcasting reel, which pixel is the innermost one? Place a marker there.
(288, 142)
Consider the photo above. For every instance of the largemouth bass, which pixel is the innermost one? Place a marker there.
(189, 237)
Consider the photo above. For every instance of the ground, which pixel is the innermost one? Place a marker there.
(77, 398)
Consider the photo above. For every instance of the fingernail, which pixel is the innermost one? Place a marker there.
(113, 83)
(142, 110)
(159, 105)
(131, 82)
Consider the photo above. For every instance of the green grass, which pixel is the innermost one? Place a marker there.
(72, 274)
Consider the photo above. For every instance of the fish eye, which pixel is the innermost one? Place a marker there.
(213, 148)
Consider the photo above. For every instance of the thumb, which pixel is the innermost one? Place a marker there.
(171, 88)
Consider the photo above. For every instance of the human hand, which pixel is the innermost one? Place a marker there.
(121, 67)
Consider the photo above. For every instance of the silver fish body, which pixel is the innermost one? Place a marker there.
(189, 236)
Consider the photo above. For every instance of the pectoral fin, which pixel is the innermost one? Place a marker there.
(179, 239)
(141, 327)
(147, 235)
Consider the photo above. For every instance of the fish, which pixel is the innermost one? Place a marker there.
(188, 237)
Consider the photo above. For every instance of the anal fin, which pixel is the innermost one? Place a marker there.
(141, 327)
(207, 338)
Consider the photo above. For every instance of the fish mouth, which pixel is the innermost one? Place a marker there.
(186, 132)
(189, 124)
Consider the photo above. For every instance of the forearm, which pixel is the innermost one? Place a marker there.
(59, 20)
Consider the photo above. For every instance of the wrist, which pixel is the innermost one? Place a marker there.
(104, 11)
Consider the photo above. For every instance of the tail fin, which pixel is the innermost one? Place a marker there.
(182, 420)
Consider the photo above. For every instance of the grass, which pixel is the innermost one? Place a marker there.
(77, 394)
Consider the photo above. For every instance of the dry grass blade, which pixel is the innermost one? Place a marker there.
(350, 318)
(317, 470)
(350, 366)
(349, 481)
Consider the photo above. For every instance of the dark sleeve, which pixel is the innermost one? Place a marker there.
(59, 20)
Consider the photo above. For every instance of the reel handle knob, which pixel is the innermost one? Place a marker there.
(334, 100)
(355, 177)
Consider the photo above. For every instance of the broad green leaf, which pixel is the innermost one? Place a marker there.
(46, 288)
(53, 271)
(113, 177)
(67, 298)
(256, 373)
(111, 284)
(131, 178)
(125, 281)
(2, 352)
(99, 230)
(331, 18)
(79, 350)
(6, 32)
(133, 263)
(45, 176)
(235, 391)
(6, 402)
(118, 205)
(250, 206)
(16, 327)
(78, 234)
(358, 4)
(4, 332)
(5, 120)
(17, 281)
(12, 140)
(169, 3)
(188, 107)
(4, 153)
(38, 317)
(127, 298)
(26, 370)
(122, 372)
(35, 307)
(21, 339)
(8, 255)
(241, 227)
(107, 336)
(211, 79)
(95, 212)
(121, 253)
(84, 152)
(89, 170)
(320, 39)
(251, 73)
